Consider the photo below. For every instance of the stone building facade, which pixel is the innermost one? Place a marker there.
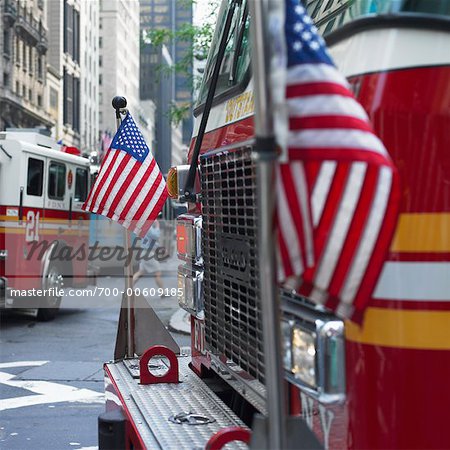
(23, 63)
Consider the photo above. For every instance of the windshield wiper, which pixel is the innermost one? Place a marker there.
(189, 194)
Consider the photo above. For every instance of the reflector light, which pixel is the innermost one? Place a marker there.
(176, 180)
(190, 296)
(189, 228)
(172, 183)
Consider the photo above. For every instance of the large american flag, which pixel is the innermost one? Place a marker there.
(130, 188)
(338, 195)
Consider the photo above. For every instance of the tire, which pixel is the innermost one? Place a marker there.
(51, 302)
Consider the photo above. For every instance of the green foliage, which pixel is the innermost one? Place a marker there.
(198, 38)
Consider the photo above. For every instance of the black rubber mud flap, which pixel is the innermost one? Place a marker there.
(111, 430)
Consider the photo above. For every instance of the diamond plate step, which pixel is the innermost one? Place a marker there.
(153, 408)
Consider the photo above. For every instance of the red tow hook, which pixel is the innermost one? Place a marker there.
(227, 435)
(146, 377)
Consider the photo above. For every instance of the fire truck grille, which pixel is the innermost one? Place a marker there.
(232, 311)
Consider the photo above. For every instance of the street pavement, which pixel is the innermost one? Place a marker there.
(51, 378)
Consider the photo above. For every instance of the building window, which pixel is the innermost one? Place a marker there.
(100, 98)
(100, 79)
(76, 36)
(17, 88)
(5, 79)
(17, 53)
(56, 181)
(39, 100)
(100, 61)
(40, 73)
(24, 92)
(30, 60)
(76, 104)
(53, 99)
(35, 177)
(6, 43)
(24, 56)
(30, 95)
(100, 42)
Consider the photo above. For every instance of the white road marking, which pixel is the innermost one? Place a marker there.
(6, 365)
(48, 392)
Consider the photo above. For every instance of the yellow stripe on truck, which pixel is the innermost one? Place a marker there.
(426, 330)
(422, 232)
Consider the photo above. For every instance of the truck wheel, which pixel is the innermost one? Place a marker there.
(53, 282)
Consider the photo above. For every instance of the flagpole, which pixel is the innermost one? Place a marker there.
(119, 104)
(265, 150)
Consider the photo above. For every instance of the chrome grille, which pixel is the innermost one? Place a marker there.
(232, 311)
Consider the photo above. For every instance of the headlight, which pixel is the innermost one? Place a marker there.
(286, 335)
(190, 295)
(189, 228)
(304, 356)
(3, 254)
(314, 351)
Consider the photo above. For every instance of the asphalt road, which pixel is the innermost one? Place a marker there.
(51, 378)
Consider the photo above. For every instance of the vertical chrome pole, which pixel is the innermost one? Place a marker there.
(265, 150)
(120, 103)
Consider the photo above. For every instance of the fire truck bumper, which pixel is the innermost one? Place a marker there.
(182, 415)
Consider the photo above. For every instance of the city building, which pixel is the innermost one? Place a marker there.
(170, 15)
(89, 69)
(63, 19)
(118, 60)
(23, 61)
(157, 84)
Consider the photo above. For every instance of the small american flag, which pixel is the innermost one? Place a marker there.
(130, 188)
(338, 195)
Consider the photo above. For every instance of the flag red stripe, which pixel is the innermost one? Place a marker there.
(344, 154)
(293, 202)
(381, 246)
(312, 169)
(132, 199)
(317, 88)
(100, 171)
(284, 254)
(324, 226)
(155, 211)
(355, 231)
(103, 180)
(112, 183)
(148, 197)
(122, 192)
(328, 122)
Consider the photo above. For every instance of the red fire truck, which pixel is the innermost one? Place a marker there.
(41, 193)
(382, 384)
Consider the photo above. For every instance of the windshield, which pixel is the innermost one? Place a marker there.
(237, 54)
(332, 14)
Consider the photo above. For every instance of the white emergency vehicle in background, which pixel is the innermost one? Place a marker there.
(42, 190)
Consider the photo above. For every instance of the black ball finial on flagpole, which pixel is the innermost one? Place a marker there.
(118, 103)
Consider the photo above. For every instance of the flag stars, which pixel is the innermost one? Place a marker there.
(307, 35)
(298, 26)
(314, 45)
(297, 46)
(299, 9)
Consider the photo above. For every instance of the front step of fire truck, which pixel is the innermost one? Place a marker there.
(178, 413)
